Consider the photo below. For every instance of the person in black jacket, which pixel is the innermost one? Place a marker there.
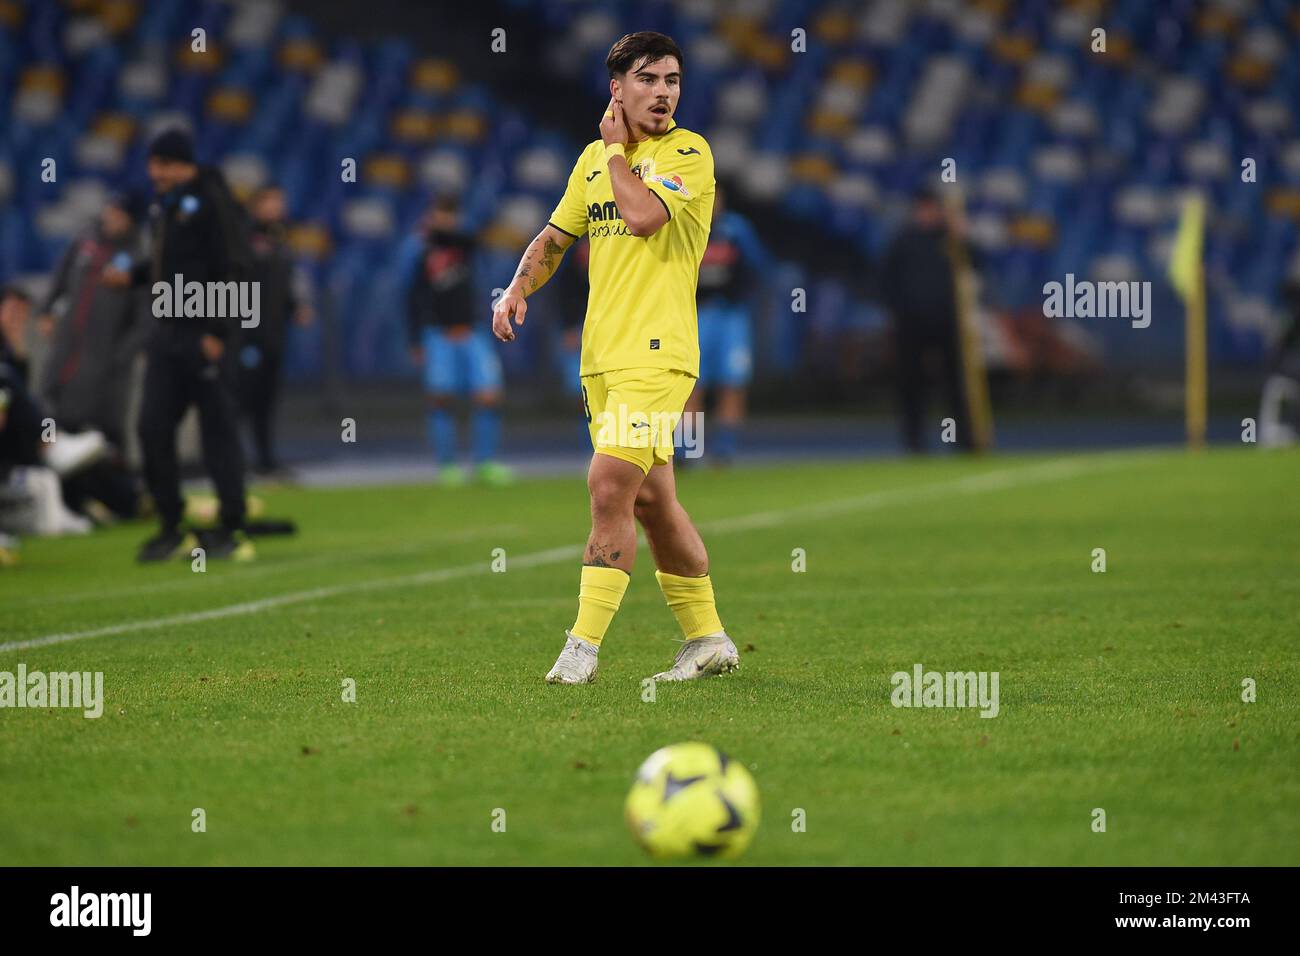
(920, 290)
(94, 329)
(35, 452)
(95, 332)
(189, 358)
(261, 353)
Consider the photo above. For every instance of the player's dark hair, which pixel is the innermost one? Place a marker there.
(647, 45)
(13, 291)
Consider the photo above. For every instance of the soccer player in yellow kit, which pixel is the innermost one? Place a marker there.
(643, 192)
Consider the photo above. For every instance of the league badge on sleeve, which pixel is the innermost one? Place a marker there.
(673, 183)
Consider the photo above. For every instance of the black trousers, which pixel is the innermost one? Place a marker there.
(259, 387)
(177, 375)
(110, 481)
(20, 438)
(919, 346)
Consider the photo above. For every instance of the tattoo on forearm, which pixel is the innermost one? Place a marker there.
(539, 262)
(550, 250)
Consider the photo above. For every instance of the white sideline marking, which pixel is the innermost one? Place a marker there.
(550, 556)
(969, 485)
(262, 569)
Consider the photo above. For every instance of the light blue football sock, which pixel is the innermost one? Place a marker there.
(442, 435)
(724, 441)
(486, 429)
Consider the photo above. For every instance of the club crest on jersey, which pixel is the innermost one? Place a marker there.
(673, 183)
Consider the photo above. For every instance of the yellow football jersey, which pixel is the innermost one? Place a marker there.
(641, 305)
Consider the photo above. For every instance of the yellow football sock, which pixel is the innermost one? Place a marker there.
(691, 601)
(599, 596)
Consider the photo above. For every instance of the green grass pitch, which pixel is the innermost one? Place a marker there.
(1120, 691)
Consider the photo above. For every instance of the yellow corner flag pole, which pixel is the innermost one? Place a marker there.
(1187, 274)
(972, 351)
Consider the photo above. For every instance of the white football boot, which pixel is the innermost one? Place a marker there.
(576, 663)
(71, 453)
(35, 499)
(703, 657)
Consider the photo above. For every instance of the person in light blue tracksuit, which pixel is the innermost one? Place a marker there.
(733, 262)
(567, 352)
(457, 356)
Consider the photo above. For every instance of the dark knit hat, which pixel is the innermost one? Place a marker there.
(173, 144)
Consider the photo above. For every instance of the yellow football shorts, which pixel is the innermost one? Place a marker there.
(632, 412)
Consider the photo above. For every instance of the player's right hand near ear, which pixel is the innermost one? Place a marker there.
(510, 305)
